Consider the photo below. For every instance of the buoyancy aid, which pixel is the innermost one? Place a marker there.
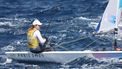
(32, 41)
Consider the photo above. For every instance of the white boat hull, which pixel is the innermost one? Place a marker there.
(56, 57)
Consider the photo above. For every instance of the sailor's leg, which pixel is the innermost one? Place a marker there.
(35, 50)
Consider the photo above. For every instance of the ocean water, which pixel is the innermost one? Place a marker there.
(66, 23)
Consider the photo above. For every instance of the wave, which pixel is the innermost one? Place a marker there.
(12, 22)
(3, 30)
(7, 24)
(4, 60)
(69, 20)
(87, 62)
(84, 18)
(8, 48)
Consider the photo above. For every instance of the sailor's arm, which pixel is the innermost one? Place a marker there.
(40, 38)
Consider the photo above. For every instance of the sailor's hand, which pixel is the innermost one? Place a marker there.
(44, 40)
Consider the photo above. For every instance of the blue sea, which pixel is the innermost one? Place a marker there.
(66, 24)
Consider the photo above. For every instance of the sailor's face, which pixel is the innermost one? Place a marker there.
(38, 27)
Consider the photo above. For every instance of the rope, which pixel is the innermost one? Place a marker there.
(73, 41)
(60, 45)
(89, 44)
(66, 49)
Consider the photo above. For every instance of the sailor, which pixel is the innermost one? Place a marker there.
(35, 40)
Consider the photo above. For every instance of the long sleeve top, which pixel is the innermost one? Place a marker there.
(38, 35)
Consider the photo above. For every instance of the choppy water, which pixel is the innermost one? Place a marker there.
(67, 23)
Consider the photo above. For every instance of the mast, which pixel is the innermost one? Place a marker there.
(116, 29)
(117, 20)
(115, 39)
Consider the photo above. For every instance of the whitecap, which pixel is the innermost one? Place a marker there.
(16, 22)
(4, 60)
(84, 18)
(93, 25)
(9, 47)
(7, 24)
(110, 60)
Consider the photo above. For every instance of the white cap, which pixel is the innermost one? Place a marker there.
(37, 22)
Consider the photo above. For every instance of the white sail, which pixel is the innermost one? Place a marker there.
(119, 20)
(109, 19)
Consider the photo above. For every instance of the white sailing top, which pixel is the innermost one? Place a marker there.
(38, 35)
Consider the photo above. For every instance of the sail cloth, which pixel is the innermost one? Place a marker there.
(112, 18)
(108, 21)
(119, 20)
